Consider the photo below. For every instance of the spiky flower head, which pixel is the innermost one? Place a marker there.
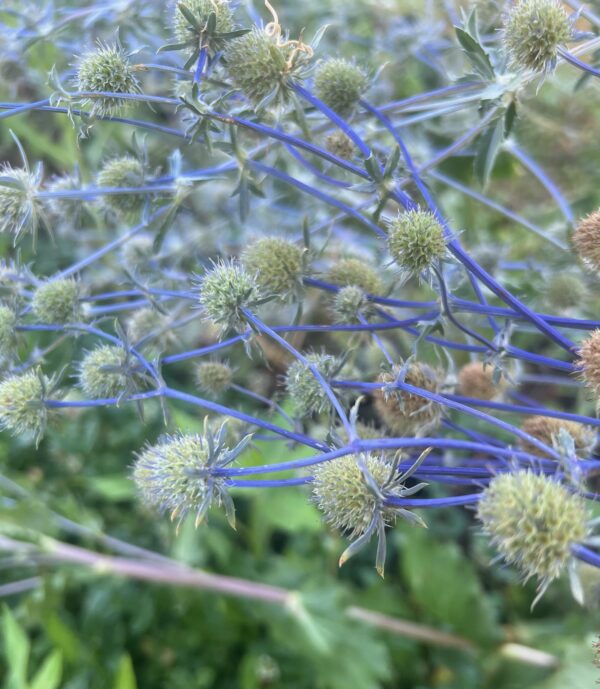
(586, 239)
(108, 371)
(122, 172)
(106, 70)
(8, 323)
(533, 32)
(476, 379)
(353, 271)
(416, 241)
(22, 402)
(137, 252)
(348, 303)
(306, 393)
(564, 291)
(176, 475)
(65, 211)
(340, 84)
(149, 325)
(406, 413)
(589, 361)
(351, 493)
(20, 207)
(197, 33)
(213, 377)
(548, 430)
(340, 145)
(533, 521)
(277, 265)
(265, 64)
(225, 291)
(57, 301)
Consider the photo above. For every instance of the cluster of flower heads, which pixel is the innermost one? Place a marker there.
(369, 335)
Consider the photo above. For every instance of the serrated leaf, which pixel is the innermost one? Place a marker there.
(476, 54)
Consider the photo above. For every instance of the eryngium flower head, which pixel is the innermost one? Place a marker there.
(186, 32)
(22, 407)
(149, 325)
(348, 304)
(548, 429)
(20, 208)
(177, 474)
(353, 271)
(406, 413)
(589, 361)
(213, 377)
(340, 84)
(122, 172)
(106, 70)
(57, 301)
(416, 241)
(564, 291)
(106, 372)
(65, 211)
(8, 322)
(277, 266)
(264, 65)
(586, 239)
(306, 393)
(533, 32)
(340, 145)
(225, 291)
(476, 379)
(533, 521)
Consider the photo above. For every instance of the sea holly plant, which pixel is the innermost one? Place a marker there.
(386, 287)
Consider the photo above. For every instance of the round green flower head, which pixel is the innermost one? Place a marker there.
(340, 84)
(277, 266)
(416, 241)
(307, 394)
(225, 291)
(124, 171)
(565, 291)
(196, 34)
(533, 32)
(8, 322)
(175, 475)
(353, 271)
(151, 324)
(106, 69)
(103, 373)
(137, 252)
(348, 303)
(533, 521)
(22, 408)
(20, 208)
(57, 301)
(213, 377)
(264, 63)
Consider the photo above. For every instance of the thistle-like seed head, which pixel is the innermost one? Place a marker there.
(225, 290)
(586, 239)
(121, 172)
(589, 361)
(342, 494)
(106, 69)
(340, 84)
(304, 389)
(57, 301)
(184, 31)
(340, 145)
(348, 303)
(264, 65)
(353, 271)
(213, 377)
(406, 413)
(277, 265)
(103, 372)
(533, 521)
(547, 430)
(476, 379)
(533, 32)
(416, 241)
(20, 207)
(22, 408)
(8, 323)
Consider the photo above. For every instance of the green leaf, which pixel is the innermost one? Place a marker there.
(577, 670)
(475, 53)
(16, 650)
(125, 678)
(49, 674)
(487, 150)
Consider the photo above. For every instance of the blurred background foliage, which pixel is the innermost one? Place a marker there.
(84, 628)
